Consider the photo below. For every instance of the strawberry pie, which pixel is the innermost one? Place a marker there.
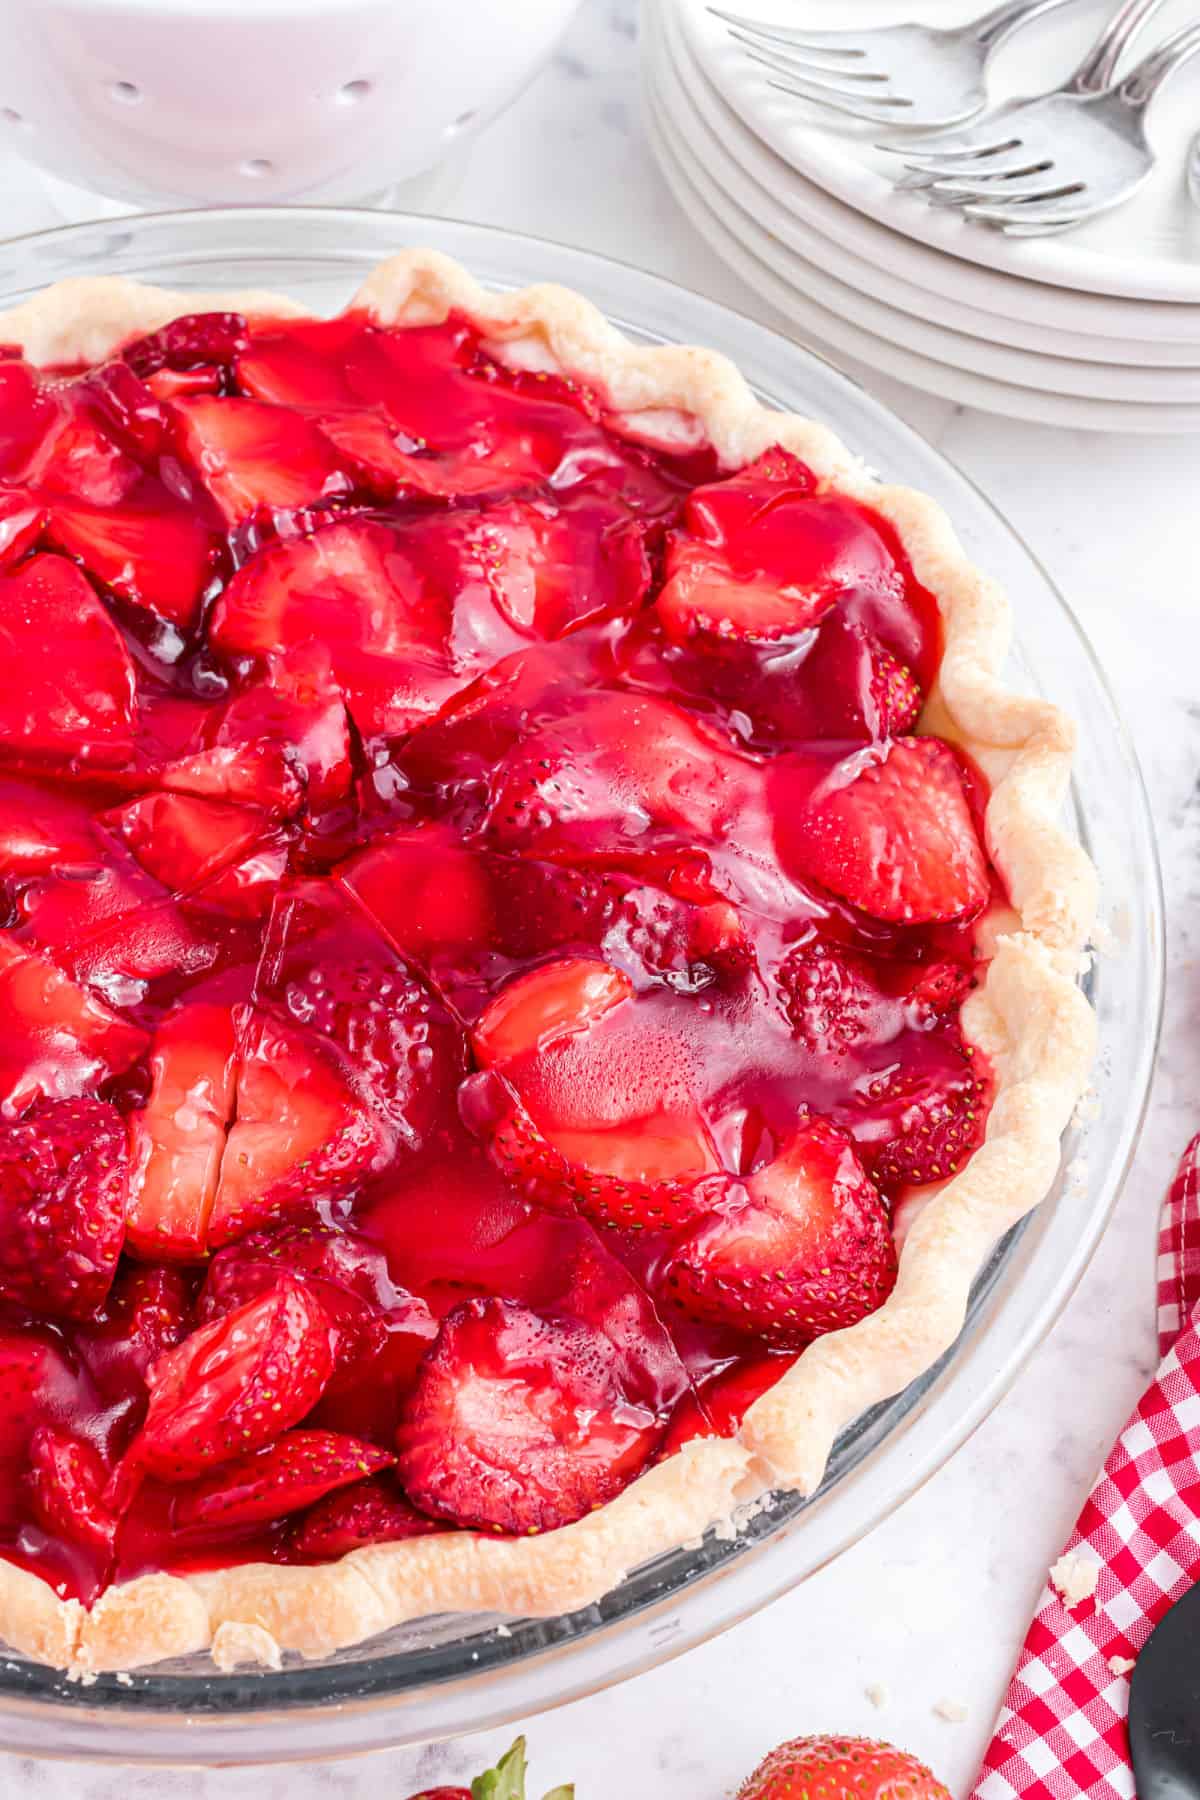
(536, 958)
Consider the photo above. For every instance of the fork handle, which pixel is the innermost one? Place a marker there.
(1098, 67)
(1144, 80)
(994, 26)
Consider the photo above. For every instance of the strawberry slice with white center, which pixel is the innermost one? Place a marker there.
(595, 1102)
(300, 1133)
(297, 1470)
(764, 556)
(76, 708)
(56, 1039)
(521, 1422)
(890, 830)
(798, 1249)
(160, 557)
(64, 1173)
(250, 455)
(177, 1139)
(233, 1386)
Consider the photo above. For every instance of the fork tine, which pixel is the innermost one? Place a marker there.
(1034, 179)
(789, 63)
(993, 160)
(882, 110)
(1054, 204)
(829, 43)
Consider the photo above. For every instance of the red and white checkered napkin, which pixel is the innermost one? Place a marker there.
(1061, 1731)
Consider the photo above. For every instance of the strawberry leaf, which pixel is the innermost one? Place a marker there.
(507, 1780)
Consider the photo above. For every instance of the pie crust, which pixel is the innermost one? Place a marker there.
(1029, 1017)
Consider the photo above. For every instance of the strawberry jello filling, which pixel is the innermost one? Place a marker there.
(482, 941)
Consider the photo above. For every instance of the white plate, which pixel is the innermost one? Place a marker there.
(1148, 249)
(795, 310)
(728, 192)
(928, 289)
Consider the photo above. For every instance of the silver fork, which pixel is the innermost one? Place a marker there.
(912, 75)
(1046, 163)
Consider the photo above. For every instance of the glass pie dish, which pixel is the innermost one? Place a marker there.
(449, 1674)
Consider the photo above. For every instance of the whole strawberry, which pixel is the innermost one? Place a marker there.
(841, 1768)
(505, 1782)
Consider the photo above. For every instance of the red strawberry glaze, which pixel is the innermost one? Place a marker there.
(487, 871)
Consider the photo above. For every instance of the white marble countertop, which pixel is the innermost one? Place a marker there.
(934, 1604)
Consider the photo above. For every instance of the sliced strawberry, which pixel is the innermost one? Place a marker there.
(889, 829)
(64, 1172)
(796, 1250)
(22, 521)
(424, 889)
(297, 709)
(76, 708)
(182, 840)
(188, 342)
(161, 557)
(300, 1134)
(369, 1512)
(613, 775)
(296, 1470)
(258, 774)
(520, 1423)
(896, 699)
(546, 1004)
(595, 1102)
(41, 828)
(130, 412)
(764, 556)
(832, 1000)
(78, 458)
(235, 1385)
(67, 1478)
(326, 968)
(55, 1038)
(148, 1312)
(109, 923)
(38, 1386)
(417, 411)
(920, 1119)
(350, 587)
(348, 1274)
(178, 384)
(177, 1139)
(938, 989)
(27, 414)
(250, 455)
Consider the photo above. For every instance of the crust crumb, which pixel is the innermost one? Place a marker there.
(876, 1693)
(1121, 1665)
(234, 1643)
(1075, 1575)
(953, 1711)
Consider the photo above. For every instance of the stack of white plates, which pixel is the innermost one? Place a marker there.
(1097, 327)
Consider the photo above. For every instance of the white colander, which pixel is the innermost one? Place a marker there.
(154, 102)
